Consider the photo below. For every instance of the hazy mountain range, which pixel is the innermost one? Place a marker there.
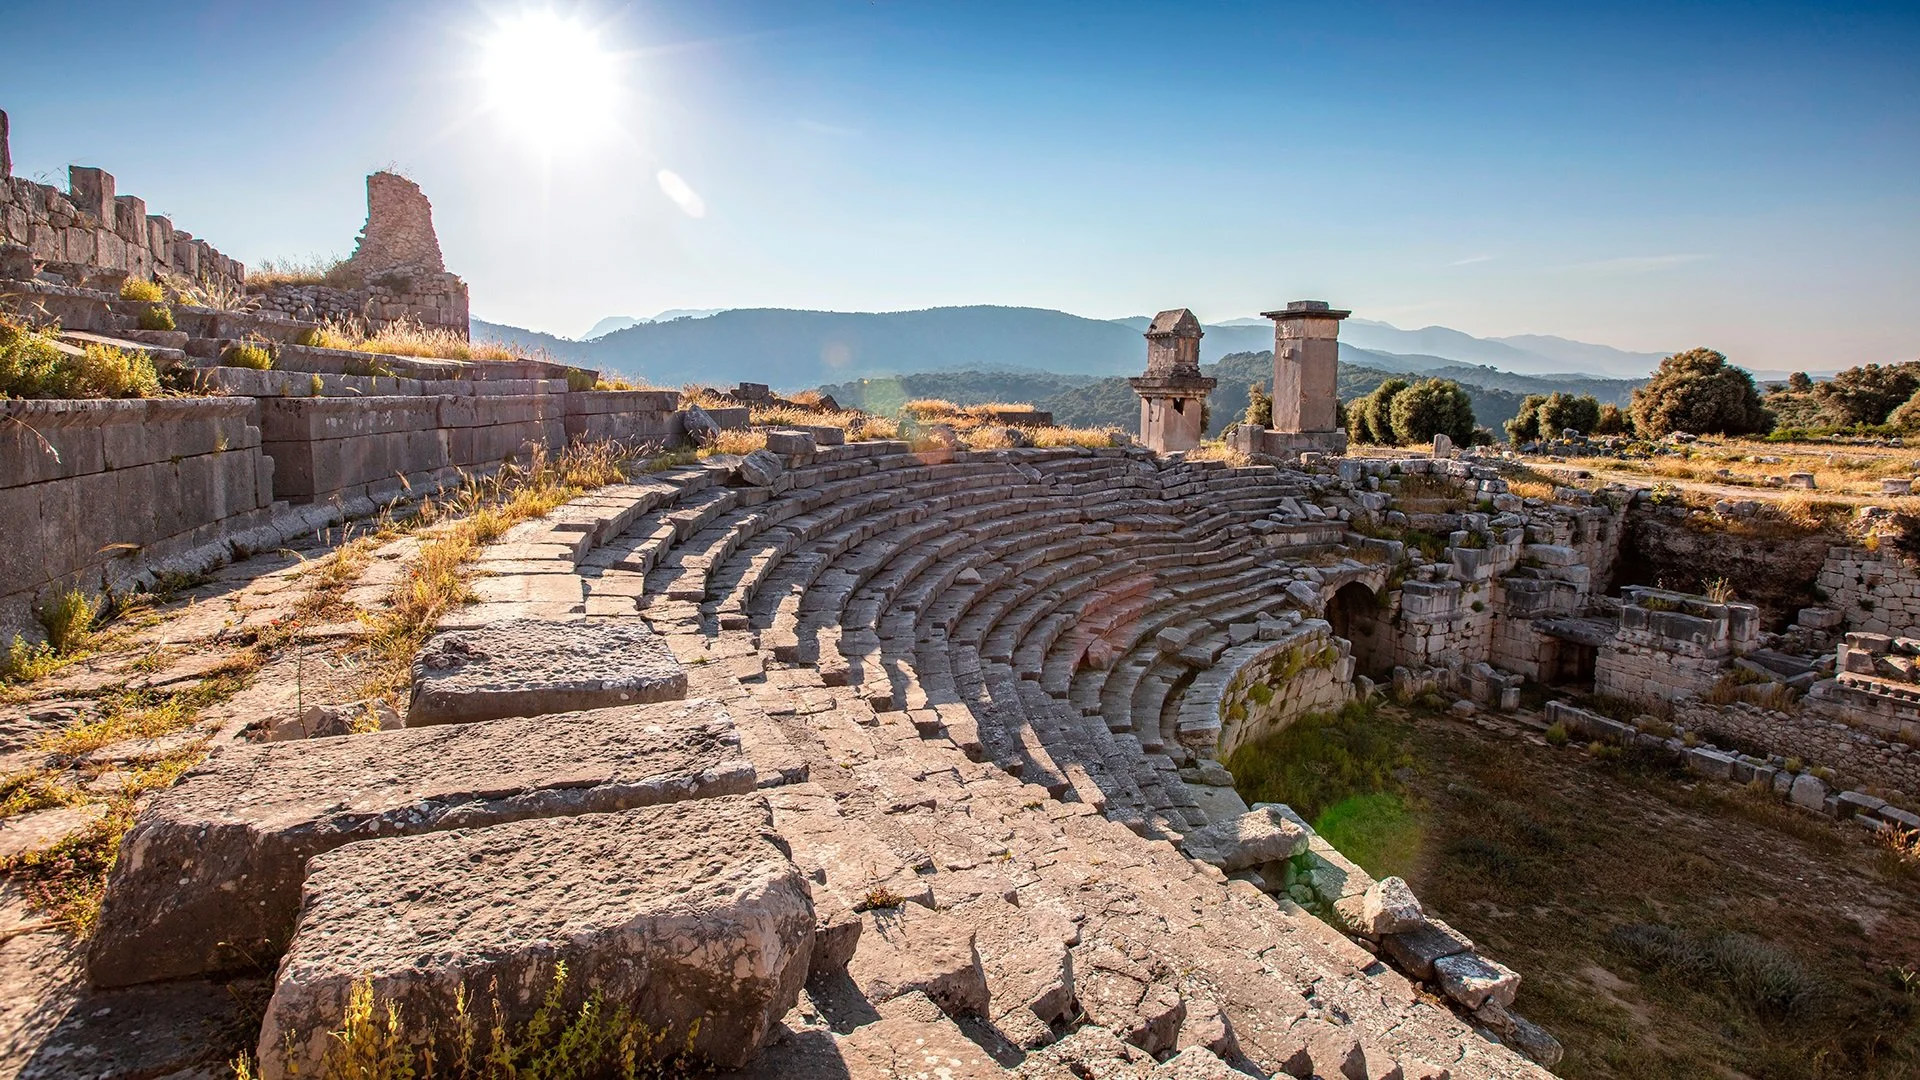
(795, 349)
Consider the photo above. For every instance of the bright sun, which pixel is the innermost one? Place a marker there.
(550, 78)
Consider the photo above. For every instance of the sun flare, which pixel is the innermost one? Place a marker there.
(551, 78)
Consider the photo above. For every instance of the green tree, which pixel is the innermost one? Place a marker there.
(1525, 425)
(1613, 420)
(1432, 407)
(1799, 383)
(1259, 406)
(1559, 412)
(1369, 420)
(1907, 416)
(1866, 394)
(1698, 392)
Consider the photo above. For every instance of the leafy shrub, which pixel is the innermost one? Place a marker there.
(248, 354)
(1432, 407)
(1546, 416)
(1557, 734)
(33, 365)
(142, 290)
(68, 619)
(157, 317)
(1259, 406)
(1698, 392)
(1370, 419)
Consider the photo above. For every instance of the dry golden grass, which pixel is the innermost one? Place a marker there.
(1846, 471)
(328, 270)
(1219, 451)
(1091, 438)
(736, 441)
(435, 580)
(408, 337)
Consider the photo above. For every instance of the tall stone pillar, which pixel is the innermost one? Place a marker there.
(1173, 393)
(1306, 358)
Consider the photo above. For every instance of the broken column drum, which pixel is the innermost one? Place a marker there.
(1173, 392)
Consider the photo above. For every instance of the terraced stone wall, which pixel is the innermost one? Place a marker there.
(92, 492)
(348, 448)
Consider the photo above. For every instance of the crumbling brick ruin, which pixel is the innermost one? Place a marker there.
(842, 753)
(395, 275)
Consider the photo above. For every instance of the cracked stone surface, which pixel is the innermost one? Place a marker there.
(526, 667)
(209, 877)
(688, 912)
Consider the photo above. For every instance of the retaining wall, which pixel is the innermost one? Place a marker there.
(1875, 591)
(1262, 686)
(91, 492)
(343, 448)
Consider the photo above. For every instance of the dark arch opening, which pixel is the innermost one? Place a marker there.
(1355, 614)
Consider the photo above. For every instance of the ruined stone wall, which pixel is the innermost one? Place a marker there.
(1876, 592)
(1860, 758)
(1261, 687)
(338, 449)
(92, 492)
(396, 273)
(90, 235)
(435, 301)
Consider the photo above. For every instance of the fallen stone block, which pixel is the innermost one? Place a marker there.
(528, 667)
(1414, 951)
(685, 914)
(1258, 836)
(1473, 980)
(761, 468)
(208, 879)
(1389, 907)
(1520, 1033)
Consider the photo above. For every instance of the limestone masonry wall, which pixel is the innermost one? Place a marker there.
(92, 491)
(89, 233)
(1875, 591)
(1861, 758)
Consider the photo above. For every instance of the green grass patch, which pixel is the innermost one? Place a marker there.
(1378, 830)
(1321, 759)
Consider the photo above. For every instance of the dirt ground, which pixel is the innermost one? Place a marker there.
(1665, 926)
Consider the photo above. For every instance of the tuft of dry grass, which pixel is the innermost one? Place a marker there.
(407, 337)
(1219, 451)
(142, 290)
(330, 270)
(736, 441)
(435, 580)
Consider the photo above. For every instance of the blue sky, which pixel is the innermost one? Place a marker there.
(1745, 176)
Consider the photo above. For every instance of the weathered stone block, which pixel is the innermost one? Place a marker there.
(1259, 836)
(1473, 980)
(910, 948)
(686, 914)
(209, 877)
(525, 667)
(1414, 951)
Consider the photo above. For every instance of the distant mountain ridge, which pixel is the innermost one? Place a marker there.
(792, 349)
